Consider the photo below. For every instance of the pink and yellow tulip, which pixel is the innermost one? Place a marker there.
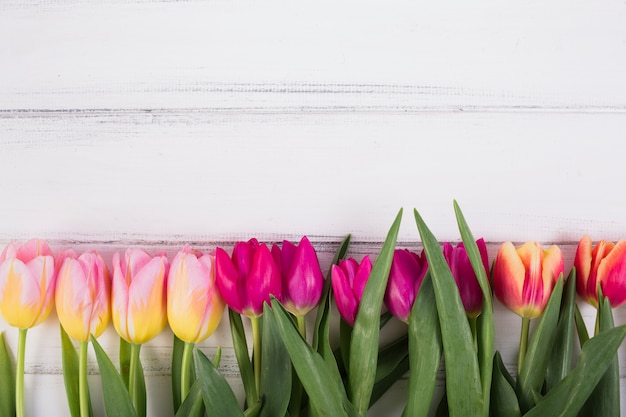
(301, 274)
(405, 277)
(248, 279)
(523, 277)
(83, 295)
(603, 266)
(138, 302)
(348, 281)
(27, 283)
(194, 304)
(463, 273)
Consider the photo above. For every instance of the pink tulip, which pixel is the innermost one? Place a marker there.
(348, 281)
(604, 266)
(301, 274)
(194, 304)
(248, 279)
(83, 295)
(27, 282)
(405, 277)
(523, 277)
(464, 275)
(139, 308)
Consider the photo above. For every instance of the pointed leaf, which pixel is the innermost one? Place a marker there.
(390, 357)
(69, 359)
(365, 334)
(560, 361)
(532, 375)
(7, 380)
(568, 396)
(486, 324)
(217, 395)
(424, 350)
(503, 399)
(116, 399)
(193, 404)
(276, 370)
(463, 379)
(240, 345)
(326, 394)
(581, 327)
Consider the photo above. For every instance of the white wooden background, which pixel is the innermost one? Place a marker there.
(155, 123)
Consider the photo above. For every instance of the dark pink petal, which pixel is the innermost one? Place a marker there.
(304, 280)
(227, 280)
(243, 254)
(401, 286)
(612, 275)
(344, 296)
(264, 280)
(361, 277)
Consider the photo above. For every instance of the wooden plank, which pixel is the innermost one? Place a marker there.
(74, 54)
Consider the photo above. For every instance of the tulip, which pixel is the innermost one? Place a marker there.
(139, 308)
(523, 280)
(348, 281)
(604, 266)
(301, 275)
(83, 295)
(27, 281)
(463, 273)
(405, 277)
(83, 305)
(194, 304)
(248, 279)
(523, 277)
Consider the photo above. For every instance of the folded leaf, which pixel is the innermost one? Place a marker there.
(7, 380)
(503, 399)
(424, 350)
(218, 396)
(69, 359)
(193, 404)
(240, 345)
(463, 379)
(116, 399)
(365, 334)
(568, 396)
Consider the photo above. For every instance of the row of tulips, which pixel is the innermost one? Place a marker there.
(144, 293)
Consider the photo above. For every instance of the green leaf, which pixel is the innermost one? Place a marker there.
(365, 334)
(7, 380)
(240, 345)
(390, 357)
(386, 381)
(486, 325)
(321, 330)
(533, 372)
(581, 328)
(116, 399)
(326, 394)
(560, 361)
(605, 399)
(69, 359)
(568, 396)
(276, 370)
(217, 395)
(193, 404)
(424, 350)
(124, 361)
(254, 410)
(503, 399)
(463, 379)
(177, 363)
(126, 350)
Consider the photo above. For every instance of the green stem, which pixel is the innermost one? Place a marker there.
(185, 371)
(523, 343)
(256, 353)
(472, 323)
(133, 377)
(19, 383)
(596, 329)
(301, 325)
(83, 386)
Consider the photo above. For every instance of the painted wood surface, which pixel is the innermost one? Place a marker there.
(154, 123)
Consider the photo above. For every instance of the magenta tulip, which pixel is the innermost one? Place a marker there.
(301, 274)
(348, 281)
(248, 279)
(405, 277)
(463, 273)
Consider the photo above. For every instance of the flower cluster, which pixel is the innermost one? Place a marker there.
(442, 292)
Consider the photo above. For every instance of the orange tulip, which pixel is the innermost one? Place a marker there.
(83, 295)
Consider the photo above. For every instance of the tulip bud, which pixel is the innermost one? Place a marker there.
(301, 275)
(27, 282)
(348, 281)
(138, 302)
(604, 266)
(405, 277)
(524, 277)
(83, 295)
(248, 279)
(463, 273)
(194, 304)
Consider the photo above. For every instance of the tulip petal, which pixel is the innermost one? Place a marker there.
(533, 294)
(612, 275)
(582, 263)
(73, 300)
(228, 280)
(304, 280)
(264, 280)
(20, 296)
(119, 298)
(508, 277)
(33, 248)
(147, 303)
(361, 276)
(401, 289)
(344, 297)
(42, 270)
